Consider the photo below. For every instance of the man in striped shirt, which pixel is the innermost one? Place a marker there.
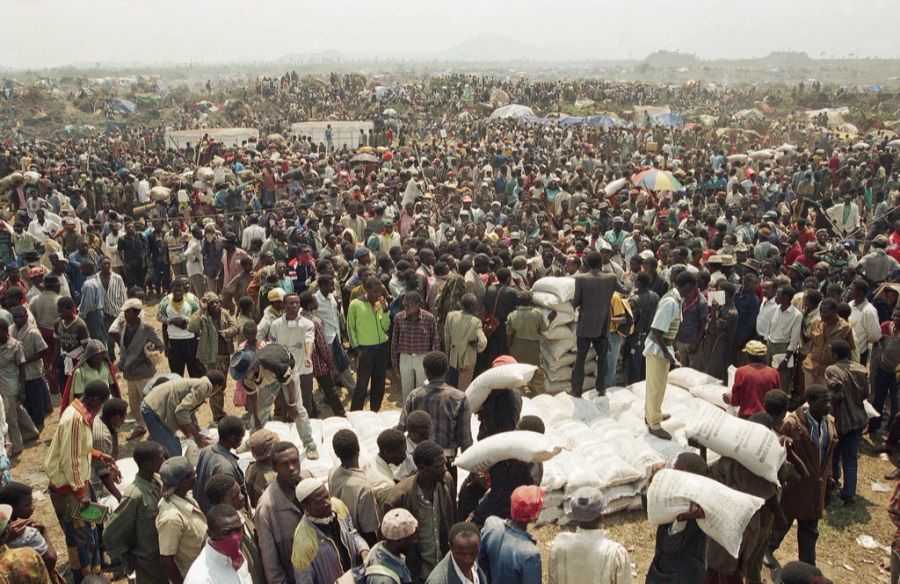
(68, 466)
(114, 285)
(23, 241)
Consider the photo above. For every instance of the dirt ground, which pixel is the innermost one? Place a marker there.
(838, 554)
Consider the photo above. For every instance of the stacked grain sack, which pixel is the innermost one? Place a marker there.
(558, 344)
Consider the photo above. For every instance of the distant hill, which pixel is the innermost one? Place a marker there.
(671, 59)
(788, 57)
(490, 47)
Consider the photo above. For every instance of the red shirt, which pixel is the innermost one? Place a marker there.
(893, 248)
(806, 236)
(751, 383)
(792, 253)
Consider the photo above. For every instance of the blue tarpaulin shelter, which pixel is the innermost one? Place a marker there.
(668, 120)
(600, 121)
(123, 106)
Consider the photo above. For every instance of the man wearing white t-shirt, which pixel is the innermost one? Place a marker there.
(297, 335)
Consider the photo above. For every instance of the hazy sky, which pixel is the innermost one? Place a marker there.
(42, 33)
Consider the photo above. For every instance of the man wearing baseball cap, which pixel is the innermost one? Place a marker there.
(180, 523)
(587, 555)
(386, 563)
(752, 381)
(509, 553)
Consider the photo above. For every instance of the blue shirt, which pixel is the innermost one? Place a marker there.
(818, 431)
(93, 296)
(508, 554)
(379, 561)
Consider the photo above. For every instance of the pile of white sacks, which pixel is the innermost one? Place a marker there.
(589, 441)
(558, 345)
(367, 426)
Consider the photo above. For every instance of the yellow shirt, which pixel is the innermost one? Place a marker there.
(182, 530)
(618, 308)
(68, 460)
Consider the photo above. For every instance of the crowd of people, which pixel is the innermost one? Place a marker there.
(290, 278)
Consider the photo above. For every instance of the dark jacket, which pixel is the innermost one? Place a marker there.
(680, 558)
(133, 361)
(403, 495)
(593, 294)
(849, 395)
(805, 497)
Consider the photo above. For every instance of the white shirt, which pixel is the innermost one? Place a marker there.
(785, 327)
(864, 322)
(766, 310)
(587, 556)
(212, 567)
(667, 310)
(111, 250)
(293, 335)
(328, 314)
(459, 573)
(143, 191)
(194, 254)
(252, 232)
(40, 231)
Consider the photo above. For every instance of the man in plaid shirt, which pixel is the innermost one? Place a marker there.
(446, 405)
(414, 334)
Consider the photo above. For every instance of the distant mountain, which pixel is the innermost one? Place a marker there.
(788, 57)
(671, 59)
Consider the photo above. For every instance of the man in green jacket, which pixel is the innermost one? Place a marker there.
(130, 534)
(215, 329)
(368, 321)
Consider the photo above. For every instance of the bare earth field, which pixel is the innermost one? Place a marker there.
(839, 556)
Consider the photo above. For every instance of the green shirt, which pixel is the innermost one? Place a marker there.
(86, 374)
(130, 533)
(367, 325)
(526, 324)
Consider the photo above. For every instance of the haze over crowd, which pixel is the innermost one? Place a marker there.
(170, 31)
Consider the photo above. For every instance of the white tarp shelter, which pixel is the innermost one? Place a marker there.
(835, 115)
(514, 111)
(343, 132)
(227, 136)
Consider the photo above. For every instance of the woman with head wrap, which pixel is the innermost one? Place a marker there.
(94, 364)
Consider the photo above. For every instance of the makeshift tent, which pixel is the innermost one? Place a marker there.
(606, 121)
(748, 115)
(642, 115)
(520, 113)
(499, 98)
(667, 120)
(227, 136)
(123, 106)
(147, 99)
(835, 115)
(704, 119)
